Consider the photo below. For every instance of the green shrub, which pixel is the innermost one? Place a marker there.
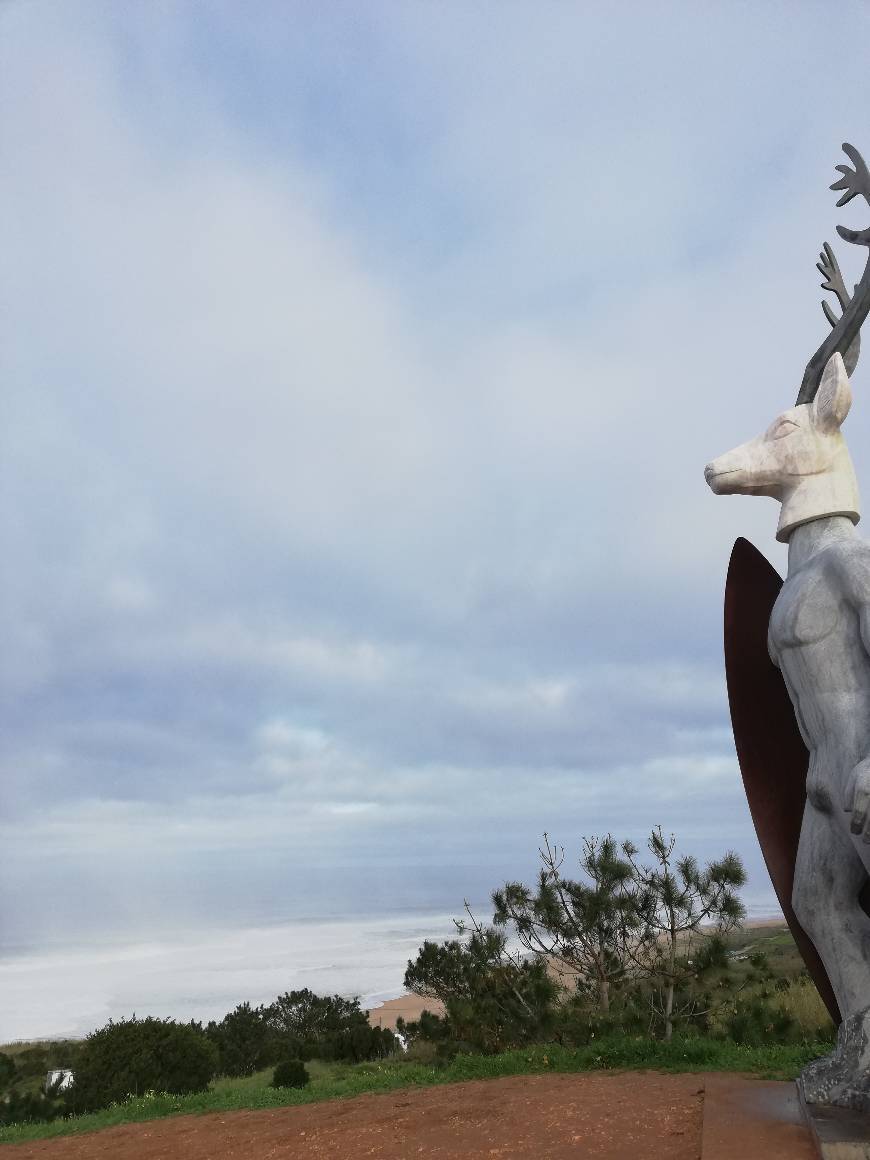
(800, 999)
(578, 1023)
(32, 1062)
(7, 1070)
(244, 1041)
(290, 1073)
(134, 1056)
(755, 1023)
(358, 1044)
(422, 1051)
(492, 999)
(29, 1107)
(302, 1025)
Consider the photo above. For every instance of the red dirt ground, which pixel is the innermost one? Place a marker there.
(631, 1116)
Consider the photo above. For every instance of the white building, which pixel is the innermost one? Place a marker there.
(60, 1079)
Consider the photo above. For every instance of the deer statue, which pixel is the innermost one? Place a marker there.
(818, 636)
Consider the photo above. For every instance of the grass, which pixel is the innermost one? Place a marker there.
(341, 1081)
(804, 1004)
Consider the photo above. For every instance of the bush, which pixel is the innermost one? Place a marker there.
(756, 1023)
(243, 1040)
(7, 1070)
(359, 1044)
(431, 1038)
(800, 999)
(138, 1055)
(32, 1062)
(310, 1017)
(493, 999)
(290, 1073)
(578, 1024)
(29, 1107)
(423, 1051)
(302, 1025)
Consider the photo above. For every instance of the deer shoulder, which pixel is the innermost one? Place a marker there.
(813, 601)
(847, 565)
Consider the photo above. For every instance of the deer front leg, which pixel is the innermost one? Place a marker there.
(829, 875)
(830, 872)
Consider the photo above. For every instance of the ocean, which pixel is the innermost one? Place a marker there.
(65, 985)
(71, 991)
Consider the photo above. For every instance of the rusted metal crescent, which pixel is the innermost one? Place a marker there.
(772, 755)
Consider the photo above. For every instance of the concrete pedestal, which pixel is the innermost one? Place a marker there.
(747, 1119)
(838, 1133)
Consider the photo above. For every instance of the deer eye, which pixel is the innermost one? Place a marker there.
(782, 428)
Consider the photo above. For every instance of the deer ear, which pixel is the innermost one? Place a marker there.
(834, 396)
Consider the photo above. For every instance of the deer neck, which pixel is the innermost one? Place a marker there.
(826, 496)
(816, 535)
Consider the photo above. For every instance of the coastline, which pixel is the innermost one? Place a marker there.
(65, 992)
(409, 1007)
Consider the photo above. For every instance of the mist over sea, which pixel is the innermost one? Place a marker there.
(349, 931)
(70, 992)
(194, 948)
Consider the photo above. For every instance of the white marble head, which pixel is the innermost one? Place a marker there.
(801, 459)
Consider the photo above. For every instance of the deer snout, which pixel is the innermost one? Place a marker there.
(750, 469)
(720, 472)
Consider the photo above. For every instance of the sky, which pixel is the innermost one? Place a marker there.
(359, 367)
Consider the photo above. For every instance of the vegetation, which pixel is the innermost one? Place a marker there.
(629, 965)
(297, 1025)
(290, 1073)
(23, 1071)
(338, 1080)
(590, 926)
(672, 899)
(134, 1056)
(626, 946)
(493, 999)
(241, 1041)
(312, 1019)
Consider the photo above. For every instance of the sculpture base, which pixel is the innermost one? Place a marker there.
(750, 1119)
(843, 1077)
(838, 1133)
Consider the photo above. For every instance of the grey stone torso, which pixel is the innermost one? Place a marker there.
(818, 635)
(815, 637)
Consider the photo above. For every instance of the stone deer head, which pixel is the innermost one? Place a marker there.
(801, 459)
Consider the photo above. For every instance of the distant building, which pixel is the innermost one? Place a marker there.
(60, 1079)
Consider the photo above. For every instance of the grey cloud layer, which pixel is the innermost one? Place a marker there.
(352, 492)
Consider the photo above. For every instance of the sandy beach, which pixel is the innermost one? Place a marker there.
(407, 1007)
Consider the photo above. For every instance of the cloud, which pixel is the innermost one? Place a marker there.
(359, 386)
(289, 739)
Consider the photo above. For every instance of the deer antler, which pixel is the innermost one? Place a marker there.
(829, 268)
(845, 333)
(854, 181)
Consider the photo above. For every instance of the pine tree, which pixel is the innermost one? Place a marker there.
(590, 926)
(677, 903)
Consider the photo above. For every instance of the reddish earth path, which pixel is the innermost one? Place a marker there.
(628, 1116)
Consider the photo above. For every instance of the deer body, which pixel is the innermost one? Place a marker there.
(819, 637)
